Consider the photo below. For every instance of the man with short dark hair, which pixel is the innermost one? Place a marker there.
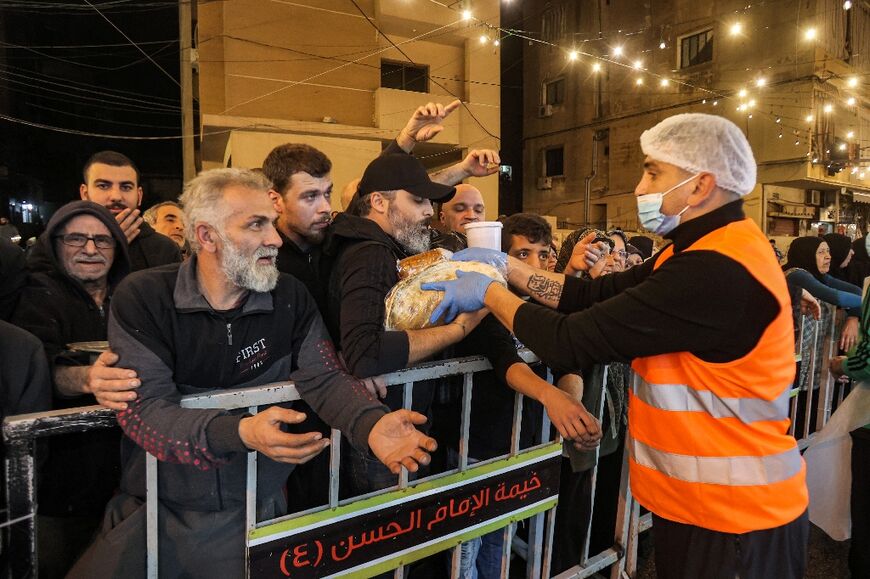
(64, 303)
(112, 180)
(527, 237)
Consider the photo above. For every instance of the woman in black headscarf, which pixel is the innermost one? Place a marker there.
(859, 267)
(841, 254)
(807, 266)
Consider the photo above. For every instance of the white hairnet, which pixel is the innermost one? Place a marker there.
(697, 142)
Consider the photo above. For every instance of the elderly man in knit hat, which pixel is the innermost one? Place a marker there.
(707, 326)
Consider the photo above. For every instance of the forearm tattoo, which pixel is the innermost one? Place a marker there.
(544, 289)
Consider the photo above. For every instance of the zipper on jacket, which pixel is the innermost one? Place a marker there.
(230, 334)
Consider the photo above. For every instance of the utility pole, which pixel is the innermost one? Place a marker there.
(185, 39)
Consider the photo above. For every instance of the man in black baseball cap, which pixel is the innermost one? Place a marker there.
(392, 208)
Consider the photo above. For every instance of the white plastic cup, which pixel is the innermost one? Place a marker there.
(485, 234)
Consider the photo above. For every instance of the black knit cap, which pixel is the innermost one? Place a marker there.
(399, 171)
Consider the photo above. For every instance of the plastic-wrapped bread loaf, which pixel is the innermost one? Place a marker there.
(409, 307)
(413, 265)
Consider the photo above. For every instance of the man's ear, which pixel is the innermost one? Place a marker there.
(206, 236)
(705, 188)
(83, 192)
(139, 191)
(380, 204)
(277, 201)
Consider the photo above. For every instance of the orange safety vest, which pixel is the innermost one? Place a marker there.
(708, 442)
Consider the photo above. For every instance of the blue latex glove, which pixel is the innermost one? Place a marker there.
(497, 259)
(465, 294)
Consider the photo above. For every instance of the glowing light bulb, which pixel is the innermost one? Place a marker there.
(736, 29)
(828, 108)
(810, 34)
(742, 93)
(847, 4)
(842, 146)
(809, 118)
(850, 134)
(861, 175)
(596, 67)
(751, 103)
(778, 120)
(760, 82)
(715, 103)
(466, 14)
(496, 42)
(662, 45)
(638, 64)
(638, 81)
(851, 101)
(750, 115)
(796, 143)
(853, 82)
(617, 51)
(664, 82)
(573, 55)
(483, 39)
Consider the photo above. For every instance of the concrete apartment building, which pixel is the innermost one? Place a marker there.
(318, 72)
(798, 61)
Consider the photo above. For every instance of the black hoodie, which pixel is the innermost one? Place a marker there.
(83, 469)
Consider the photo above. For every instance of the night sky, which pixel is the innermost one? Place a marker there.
(63, 65)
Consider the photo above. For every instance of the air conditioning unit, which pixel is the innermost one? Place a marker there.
(545, 111)
(814, 197)
(545, 182)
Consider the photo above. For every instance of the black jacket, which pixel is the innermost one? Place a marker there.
(163, 327)
(25, 385)
(304, 266)
(151, 249)
(82, 470)
(12, 276)
(641, 312)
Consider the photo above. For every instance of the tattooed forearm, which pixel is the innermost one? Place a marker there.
(544, 289)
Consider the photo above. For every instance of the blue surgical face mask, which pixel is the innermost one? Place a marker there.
(649, 211)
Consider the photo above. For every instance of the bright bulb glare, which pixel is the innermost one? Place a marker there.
(638, 64)
(664, 82)
(853, 82)
(810, 34)
(850, 134)
(842, 146)
(851, 101)
(742, 93)
(736, 29)
(809, 118)
(715, 103)
(828, 108)
(638, 81)
(573, 55)
(847, 4)
(752, 103)
(596, 67)
(496, 42)
(617, 51)
(662, 45)
(466, 14)
(483, 39)
(760, 82)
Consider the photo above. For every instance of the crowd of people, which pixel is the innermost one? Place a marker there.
(251, 278)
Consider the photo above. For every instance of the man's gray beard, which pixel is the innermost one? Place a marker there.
(413, 236)
(244, 271)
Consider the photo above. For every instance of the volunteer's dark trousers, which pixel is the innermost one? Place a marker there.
(689, 552)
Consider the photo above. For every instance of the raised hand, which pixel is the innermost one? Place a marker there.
(426, 122)
(481, 163)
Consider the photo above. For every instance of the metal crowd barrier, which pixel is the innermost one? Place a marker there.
(814, 349)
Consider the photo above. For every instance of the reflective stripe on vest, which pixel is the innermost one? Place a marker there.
(682, 398)
(719, 470)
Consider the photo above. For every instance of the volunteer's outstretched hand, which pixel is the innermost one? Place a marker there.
(497, 259)
(465, 294)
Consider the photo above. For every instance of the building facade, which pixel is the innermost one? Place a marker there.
(345, 80)
(792, 74)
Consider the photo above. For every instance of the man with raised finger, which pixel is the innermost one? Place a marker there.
(225, 319)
